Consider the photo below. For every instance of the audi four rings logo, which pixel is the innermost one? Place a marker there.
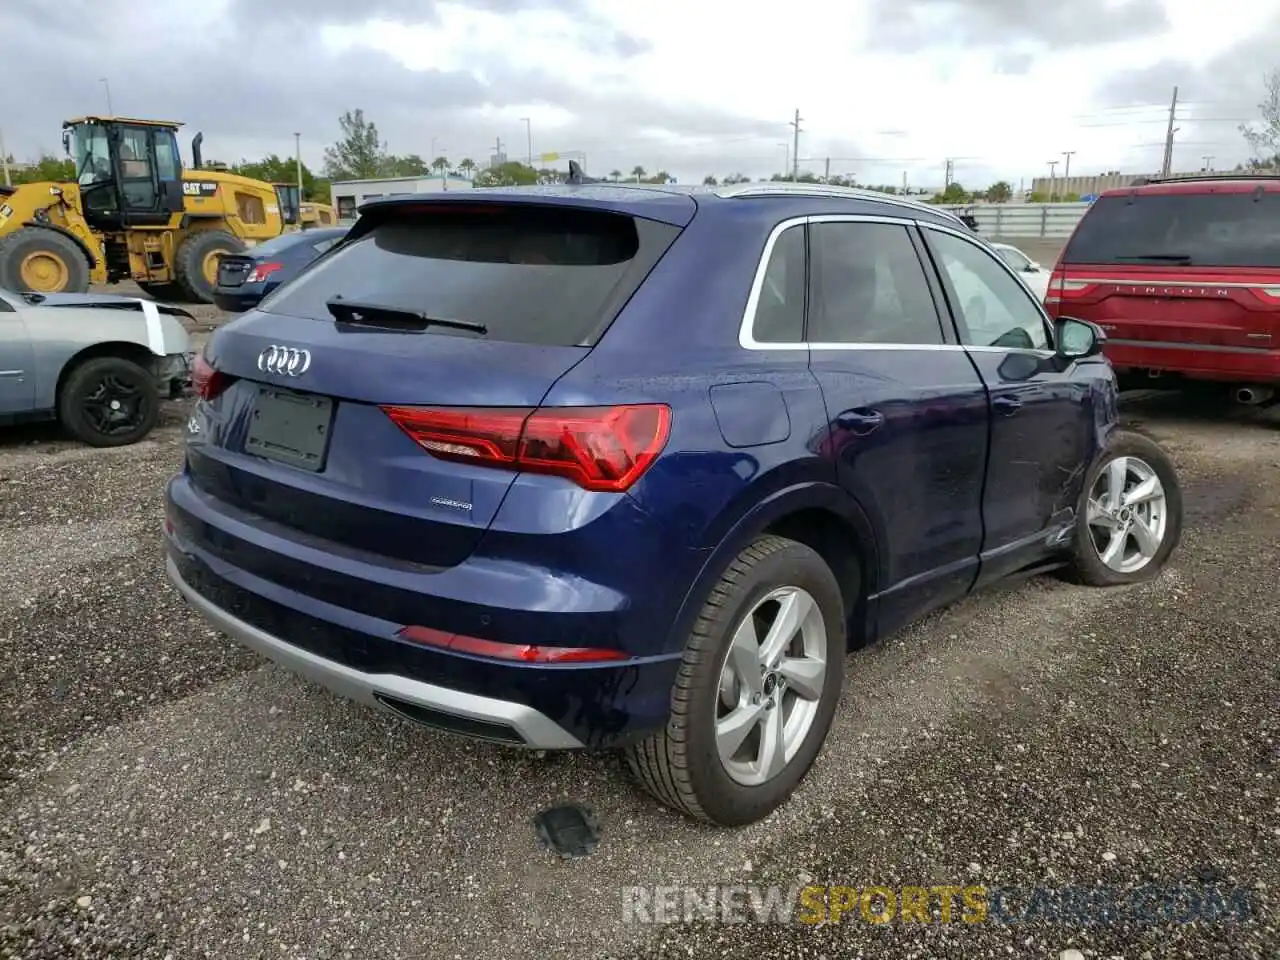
(288, 361)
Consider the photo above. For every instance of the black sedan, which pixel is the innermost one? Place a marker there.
(244, 279)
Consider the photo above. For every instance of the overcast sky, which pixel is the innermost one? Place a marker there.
(693, 87)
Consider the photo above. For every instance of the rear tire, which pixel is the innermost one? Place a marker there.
(683, 765)
(40, 260)
(1128, 540)
(85, 402)
(193, 260)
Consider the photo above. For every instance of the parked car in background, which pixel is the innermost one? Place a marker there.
(1184, 276)
(1029, 271)
(604, 466)
(100, 364)
(245, 278)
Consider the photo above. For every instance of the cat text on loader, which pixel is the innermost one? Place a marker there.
(132, 213)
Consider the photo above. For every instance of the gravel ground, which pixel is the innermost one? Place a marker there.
(164, 793)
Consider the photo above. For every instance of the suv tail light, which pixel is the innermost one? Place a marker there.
(605, 449)
(206, 381)
(261, 271)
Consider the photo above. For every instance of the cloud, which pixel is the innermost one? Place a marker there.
(912, 25)
(249, 80)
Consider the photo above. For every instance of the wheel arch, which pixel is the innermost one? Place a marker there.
(816, 513)
(123, 349)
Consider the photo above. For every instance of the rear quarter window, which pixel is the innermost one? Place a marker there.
(1207, 229)
(540, 275)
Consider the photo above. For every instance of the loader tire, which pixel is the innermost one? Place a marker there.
(40, 260)
(197, 263)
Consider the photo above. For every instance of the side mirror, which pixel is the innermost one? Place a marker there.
(1032, 267)
(66, 142)
(1077, 339)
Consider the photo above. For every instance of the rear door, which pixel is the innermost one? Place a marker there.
(1042, 422)
(907, 411)
(1178, 269)
(484, 306)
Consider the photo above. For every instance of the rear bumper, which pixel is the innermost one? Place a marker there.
(336, 620)
(1196, 361)
(238, 301)
(424, 702)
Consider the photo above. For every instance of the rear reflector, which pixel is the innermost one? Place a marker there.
(522, 652)
(605, 449)
(261, 271)
(206, 381)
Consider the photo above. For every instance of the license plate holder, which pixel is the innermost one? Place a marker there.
(291, 428)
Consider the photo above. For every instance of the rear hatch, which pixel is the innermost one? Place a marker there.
(1177, 265)
(441, 305)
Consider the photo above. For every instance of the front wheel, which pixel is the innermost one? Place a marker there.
(1130, 516)
(756, 691)
(109, 402)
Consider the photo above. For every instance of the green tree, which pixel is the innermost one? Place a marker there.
(440, 165)
(954, 193)
(710, 181)
(999, 192)
(1263, 135)
(359, 153)
(467, 166)
(509, 174)
(47, 168)
(411, 165)
(615, 175)
(733, 178)
(638, 172)
(1038, 196)
(276, 169)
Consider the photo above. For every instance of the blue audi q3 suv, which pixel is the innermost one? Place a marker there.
(605, 466)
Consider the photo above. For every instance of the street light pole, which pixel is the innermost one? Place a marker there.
(107, 85)
(1053, 186)
(4, 160)
(528, 131)
(1066, 171)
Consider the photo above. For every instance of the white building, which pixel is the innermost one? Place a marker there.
(348, 195)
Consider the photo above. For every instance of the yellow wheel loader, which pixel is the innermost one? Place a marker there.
(132, 213)
(309, 216)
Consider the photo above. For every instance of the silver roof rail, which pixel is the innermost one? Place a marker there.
(788, 188)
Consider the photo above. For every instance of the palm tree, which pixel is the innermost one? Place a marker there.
(637, 172)
(709, 181)
(440, 165)
(467, 166)
(661, 177)
(615, 175)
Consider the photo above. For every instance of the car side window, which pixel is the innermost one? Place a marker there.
(1013, 258)
(324, 245)
(993, 308)
(779, 316)
(867, 285)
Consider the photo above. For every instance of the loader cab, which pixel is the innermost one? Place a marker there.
(290, 203)
(129, 171)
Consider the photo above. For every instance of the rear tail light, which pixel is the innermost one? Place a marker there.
(522, 652)
(206, 381)
(261, 271)
(605, 449)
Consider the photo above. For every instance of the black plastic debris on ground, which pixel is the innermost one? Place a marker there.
(567, 831)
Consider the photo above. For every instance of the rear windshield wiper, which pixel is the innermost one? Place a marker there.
(1182, 258)
(394, 318)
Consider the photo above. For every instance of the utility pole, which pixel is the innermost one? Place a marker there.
(1066, 172)
(297, 153)
(1053, 185)
(826, 174)
(528, 131)
(795, 147)
(4, 161)
(1167, 165)
(1208, 163)
(107, 84)
(950, 172)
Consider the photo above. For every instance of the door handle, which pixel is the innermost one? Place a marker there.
(1007, 405)
(860, 421)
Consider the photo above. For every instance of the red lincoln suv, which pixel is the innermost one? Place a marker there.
(1184, 277)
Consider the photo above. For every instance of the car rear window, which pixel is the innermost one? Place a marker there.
(553, 276)
(1204, 229)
